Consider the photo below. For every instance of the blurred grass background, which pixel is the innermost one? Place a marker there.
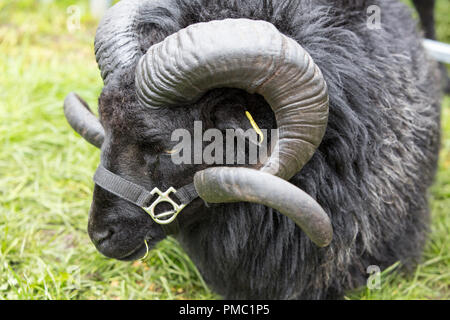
(46, 177)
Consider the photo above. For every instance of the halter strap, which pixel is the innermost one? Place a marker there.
(141, 197)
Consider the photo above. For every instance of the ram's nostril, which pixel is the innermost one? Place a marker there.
(100, 237)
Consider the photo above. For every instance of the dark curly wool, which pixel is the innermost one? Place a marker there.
(370, 174)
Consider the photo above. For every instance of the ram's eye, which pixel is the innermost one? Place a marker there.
(151, 161)
(152, 143)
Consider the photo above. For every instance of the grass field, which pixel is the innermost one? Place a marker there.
(46, 178)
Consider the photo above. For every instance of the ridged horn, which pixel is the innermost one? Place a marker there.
(256, 57)
(250, 55)
(117, 47)
(226, 184)
(82, 120)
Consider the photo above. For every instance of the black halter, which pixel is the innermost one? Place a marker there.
(141, 197)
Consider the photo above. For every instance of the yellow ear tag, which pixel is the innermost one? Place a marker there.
(172, 151)
(255, 127)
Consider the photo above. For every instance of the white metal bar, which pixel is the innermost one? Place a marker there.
(438, 50)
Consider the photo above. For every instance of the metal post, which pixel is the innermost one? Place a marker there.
(438, 50)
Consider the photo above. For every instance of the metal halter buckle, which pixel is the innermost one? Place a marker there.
(164, 197)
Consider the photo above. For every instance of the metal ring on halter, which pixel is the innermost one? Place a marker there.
(141, 197)
(164, 197)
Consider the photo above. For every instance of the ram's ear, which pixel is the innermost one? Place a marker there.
(234, 113)
(230, 117)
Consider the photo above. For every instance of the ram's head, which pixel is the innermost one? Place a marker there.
(206, 72)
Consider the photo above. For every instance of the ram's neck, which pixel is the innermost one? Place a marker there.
(242, 249)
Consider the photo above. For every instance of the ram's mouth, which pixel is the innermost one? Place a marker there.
(141, 251)
(136, 254)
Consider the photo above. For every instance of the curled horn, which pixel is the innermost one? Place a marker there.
(253, 56)
(243, 184)
(82, 120)
(117, 49)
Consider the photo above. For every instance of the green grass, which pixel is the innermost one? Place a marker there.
(46, 179)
